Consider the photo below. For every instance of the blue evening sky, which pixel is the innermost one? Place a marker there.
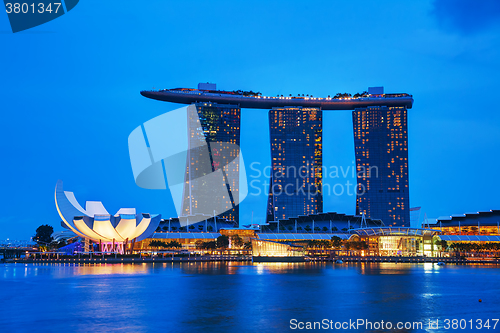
(70, 93)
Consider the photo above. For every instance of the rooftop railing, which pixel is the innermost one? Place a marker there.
(307, 98)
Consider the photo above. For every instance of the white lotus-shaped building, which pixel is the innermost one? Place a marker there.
(112, 232)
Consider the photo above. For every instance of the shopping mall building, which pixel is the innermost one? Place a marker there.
(303, 235)
(309, 231)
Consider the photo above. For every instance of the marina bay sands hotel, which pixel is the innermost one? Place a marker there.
(295, 124)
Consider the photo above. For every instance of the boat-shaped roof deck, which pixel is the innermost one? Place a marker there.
(189, 96)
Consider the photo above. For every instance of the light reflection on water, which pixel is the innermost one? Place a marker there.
(228, 297)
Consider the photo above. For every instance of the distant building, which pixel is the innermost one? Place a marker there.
(203, 224)
(207, 86)
(64, 235)
(381, 148)
(475, 223)
(321, 223)
(220, 124)
(375, 91)
(415, 217)
(296, 156)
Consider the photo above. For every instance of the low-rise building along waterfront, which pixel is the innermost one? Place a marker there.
(114, 233)
(475, 223)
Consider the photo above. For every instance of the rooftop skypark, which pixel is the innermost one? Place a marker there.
(255, 100)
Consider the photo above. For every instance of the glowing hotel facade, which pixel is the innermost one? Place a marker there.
(381, 150)
(221, 128)
(295, 124)
(296, 155)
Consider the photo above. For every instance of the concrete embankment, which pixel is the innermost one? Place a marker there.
(112, 260)
(415, 260)
(345, 259)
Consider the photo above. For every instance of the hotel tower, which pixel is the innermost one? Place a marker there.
(296, 157)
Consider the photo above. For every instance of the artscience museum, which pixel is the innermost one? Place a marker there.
(114, 233)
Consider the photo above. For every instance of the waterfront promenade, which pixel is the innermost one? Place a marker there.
(129, 260)
(415, 260)
(247, 258)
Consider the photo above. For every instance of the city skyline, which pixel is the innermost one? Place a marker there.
(295, 134)
(72, 105)
(268, 165)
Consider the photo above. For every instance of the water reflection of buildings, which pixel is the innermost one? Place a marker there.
(103, 269)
